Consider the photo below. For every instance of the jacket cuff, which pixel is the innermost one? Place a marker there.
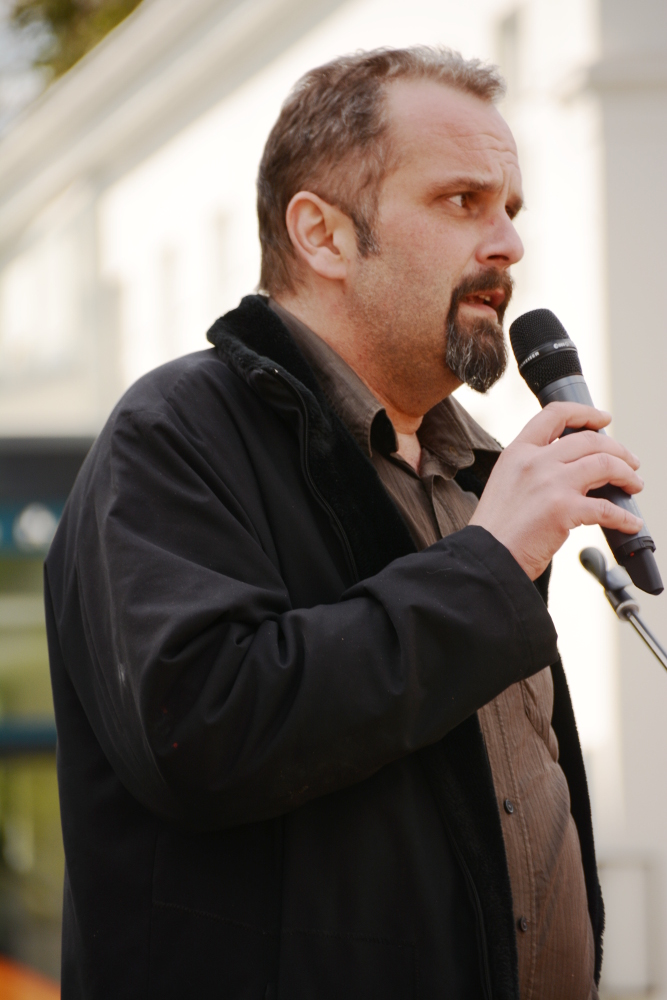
(531, 612)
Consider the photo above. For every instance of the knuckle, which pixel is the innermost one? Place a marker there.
(607, 509)
(605, 463)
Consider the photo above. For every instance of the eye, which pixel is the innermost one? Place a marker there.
(514, 207)
(459, 199)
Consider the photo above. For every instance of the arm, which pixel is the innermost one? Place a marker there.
(219, 703)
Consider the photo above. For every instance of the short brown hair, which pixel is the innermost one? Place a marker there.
(332, 138)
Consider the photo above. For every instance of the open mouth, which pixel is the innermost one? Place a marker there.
(490, 299)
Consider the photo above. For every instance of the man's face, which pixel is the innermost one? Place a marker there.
(431, 302)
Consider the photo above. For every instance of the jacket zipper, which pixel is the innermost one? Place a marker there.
(481, 933)
(349, 555)
(477, 906)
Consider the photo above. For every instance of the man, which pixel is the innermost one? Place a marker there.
(307, 689)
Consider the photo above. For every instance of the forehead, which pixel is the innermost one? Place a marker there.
(433, 124)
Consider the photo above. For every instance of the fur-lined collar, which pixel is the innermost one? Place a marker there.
(253, 339)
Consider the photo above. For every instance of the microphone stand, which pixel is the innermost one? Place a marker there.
(614, 581)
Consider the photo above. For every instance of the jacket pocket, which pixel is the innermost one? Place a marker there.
(330, 966)
(199, 955)
(214, 929)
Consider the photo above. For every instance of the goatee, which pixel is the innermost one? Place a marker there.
(476, 351)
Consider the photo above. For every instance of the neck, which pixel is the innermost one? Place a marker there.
(326, 316)
(405, 426)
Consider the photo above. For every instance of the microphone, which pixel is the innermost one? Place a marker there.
(549, 362)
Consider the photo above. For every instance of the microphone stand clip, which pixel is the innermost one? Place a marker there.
(614, 581)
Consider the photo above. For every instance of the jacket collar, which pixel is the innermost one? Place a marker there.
(256, 344)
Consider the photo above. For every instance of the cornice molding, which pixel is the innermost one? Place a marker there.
(168, 62)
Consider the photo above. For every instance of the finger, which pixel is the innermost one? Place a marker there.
(550, 423)
(597, 510)
(591, 471)
(575, 446)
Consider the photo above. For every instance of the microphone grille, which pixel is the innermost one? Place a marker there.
(535, 329)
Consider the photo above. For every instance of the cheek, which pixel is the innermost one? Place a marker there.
(433, 250)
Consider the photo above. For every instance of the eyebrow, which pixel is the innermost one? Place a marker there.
(463, 184)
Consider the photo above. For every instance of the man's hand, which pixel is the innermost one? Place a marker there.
(537, 490)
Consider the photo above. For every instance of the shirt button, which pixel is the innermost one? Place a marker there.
(509, 806)
(522, 924)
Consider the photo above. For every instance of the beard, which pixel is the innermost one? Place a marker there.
(476, 351)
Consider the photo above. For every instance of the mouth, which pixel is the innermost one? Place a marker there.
(487, 302)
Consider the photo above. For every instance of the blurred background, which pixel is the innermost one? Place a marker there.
(130, 135)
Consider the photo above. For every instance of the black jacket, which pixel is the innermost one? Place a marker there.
(273, 780)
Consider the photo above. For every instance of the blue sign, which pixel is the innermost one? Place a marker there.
(28, 528)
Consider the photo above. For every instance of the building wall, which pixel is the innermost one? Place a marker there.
(126, 269)
(630, 83)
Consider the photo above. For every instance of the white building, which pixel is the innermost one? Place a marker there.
(127, 225)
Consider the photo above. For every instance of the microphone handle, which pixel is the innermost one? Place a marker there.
(635, 552)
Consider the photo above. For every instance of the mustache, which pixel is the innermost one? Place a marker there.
(485, 281)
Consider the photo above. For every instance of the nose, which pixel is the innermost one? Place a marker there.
(501, 245)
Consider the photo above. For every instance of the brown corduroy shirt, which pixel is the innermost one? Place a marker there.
(554, 935)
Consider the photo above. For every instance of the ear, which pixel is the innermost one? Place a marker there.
(322, 236)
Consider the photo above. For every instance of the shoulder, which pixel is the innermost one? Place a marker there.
(191, 413)
(175, 384)
(195, 395)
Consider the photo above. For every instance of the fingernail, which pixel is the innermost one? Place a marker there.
(641, 481)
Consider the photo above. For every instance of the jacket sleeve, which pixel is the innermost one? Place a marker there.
(214, 699)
